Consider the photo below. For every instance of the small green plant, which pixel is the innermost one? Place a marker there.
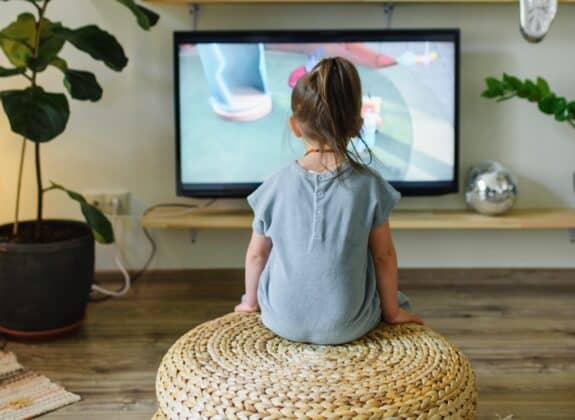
(534, 91)
(32, 43)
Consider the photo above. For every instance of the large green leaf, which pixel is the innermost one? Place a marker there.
(96, 220)
(35, 114)
(59, 63)
(99, 44)
(145, 17)
(4, 72)
(18, 38)
(50, 46)
(82, 85)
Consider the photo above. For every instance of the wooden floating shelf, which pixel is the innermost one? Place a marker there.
(339, 1)
(178, 218)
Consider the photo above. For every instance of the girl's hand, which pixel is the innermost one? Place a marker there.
(403, 317)
(244, 307)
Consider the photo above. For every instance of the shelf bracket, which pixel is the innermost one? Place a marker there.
(193, 235)
(571, 233)
(388, 9)
(195, 15)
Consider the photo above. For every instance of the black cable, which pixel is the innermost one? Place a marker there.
(153, 244)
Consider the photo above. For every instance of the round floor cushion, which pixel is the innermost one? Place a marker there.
(235, 368)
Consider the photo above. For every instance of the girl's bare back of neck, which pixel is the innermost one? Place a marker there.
(319, 161)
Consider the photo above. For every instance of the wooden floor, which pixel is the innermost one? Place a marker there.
(517, 327)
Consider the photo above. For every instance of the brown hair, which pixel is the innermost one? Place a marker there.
(326, 103)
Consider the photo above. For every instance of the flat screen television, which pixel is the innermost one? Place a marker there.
(232, 98)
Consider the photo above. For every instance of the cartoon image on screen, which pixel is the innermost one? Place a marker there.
(235, 101)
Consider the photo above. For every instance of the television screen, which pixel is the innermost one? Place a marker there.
(233, 94)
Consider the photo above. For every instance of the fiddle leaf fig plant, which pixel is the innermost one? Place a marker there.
(537, 91)
(31, 44)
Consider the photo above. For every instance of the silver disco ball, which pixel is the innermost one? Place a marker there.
(490, 188)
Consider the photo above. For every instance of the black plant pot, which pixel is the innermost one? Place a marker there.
(45, 287)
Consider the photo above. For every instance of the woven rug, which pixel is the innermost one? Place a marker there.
(25, 394)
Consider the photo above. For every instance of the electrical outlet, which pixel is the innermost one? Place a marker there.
(116, 203)
(111, 203)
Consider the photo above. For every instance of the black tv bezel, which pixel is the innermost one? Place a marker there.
(238, 190)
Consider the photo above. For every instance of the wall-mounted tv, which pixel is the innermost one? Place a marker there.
(232, 97)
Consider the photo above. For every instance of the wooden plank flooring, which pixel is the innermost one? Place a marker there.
(517, 327)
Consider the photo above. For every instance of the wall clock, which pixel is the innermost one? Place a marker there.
(535, 17)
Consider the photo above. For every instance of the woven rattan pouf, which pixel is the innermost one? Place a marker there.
(234, 368)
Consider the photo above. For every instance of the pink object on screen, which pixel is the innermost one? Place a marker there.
(295, 75)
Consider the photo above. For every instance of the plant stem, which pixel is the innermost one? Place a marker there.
(41, 10)
(19, 189)
(39, 192)
(40, 206)
(505, 98)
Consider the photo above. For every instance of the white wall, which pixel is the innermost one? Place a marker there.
(126, 141)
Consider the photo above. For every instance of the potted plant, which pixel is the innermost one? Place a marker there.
(534, 91)
(47, 266)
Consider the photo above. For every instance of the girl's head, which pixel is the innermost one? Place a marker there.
(326, 107)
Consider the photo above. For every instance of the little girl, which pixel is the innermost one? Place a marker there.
(321, 263)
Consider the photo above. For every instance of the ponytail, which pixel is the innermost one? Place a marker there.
(327, 104)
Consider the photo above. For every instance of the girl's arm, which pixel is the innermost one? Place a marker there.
(256, 258)
(385, 261)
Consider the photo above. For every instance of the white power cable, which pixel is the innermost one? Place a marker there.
(125, 274)
(130, 280)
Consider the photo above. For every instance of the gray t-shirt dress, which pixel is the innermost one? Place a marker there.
(319, 284)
